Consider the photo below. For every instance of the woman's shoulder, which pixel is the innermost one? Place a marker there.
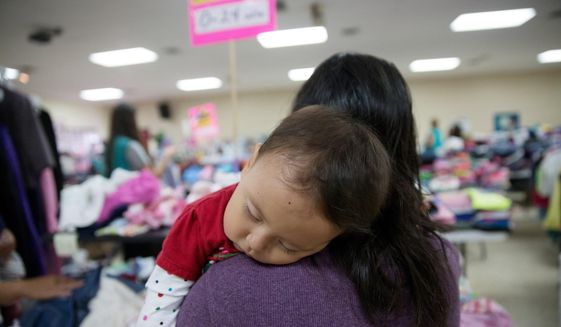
(240, 290)
(449, 251)
(449, 274)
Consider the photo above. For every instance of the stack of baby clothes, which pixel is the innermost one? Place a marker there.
(493, 210)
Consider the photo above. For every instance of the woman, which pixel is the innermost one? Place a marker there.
(400, 273)
(124, 149)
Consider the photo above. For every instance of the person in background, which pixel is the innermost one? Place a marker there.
(38, 288)
(7, 242)
(436, 135)
(124, 149)
(433, 144)
(393, 270)
(455, 140)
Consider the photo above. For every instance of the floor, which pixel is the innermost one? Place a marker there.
(521, 274)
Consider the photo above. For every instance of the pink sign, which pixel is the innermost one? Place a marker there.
(213, 21)
(203, 122)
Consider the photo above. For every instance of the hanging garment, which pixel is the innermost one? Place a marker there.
(33, 157)
(552, 220)
(27, 135)
(546, 175)
(47, 125)
(50, 199)
(16, 210)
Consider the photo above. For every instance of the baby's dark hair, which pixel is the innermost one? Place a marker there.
(338, 160)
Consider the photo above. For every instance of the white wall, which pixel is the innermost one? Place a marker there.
(147, 116)
(536, 96)
(259, 113)
(79, 115)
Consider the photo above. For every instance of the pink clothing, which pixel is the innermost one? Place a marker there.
(144, 188)
(50, 203)
(442, 214)
(50, 199)
(484, 312)
(457, 201)
(163, 211)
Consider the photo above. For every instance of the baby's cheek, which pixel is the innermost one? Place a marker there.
(282, 258)
(235, 229)
(228, 228)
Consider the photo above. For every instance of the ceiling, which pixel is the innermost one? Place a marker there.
(398, 30)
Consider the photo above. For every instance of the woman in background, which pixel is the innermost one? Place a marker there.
(124, 149)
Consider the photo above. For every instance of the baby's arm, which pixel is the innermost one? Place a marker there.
(164, 295)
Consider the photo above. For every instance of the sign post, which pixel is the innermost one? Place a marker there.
(215, 21)
(234, 92)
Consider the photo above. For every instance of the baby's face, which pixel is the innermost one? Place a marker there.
(271, 222)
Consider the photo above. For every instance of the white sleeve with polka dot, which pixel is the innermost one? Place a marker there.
(164, 295)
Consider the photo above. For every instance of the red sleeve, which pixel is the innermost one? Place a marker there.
(182, 252)
(196, 235)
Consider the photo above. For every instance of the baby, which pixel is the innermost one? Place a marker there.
(277, 214)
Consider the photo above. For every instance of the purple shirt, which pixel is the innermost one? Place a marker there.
(311, 292)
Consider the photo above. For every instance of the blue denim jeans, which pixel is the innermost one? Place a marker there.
(66, 312)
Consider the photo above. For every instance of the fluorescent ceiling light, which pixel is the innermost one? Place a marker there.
(430, 65)
(300, 74)
(108, 93)
(124, 57)
(549, 56)
(293, 37)
(492, 20)
(11, 73)
(197, 84)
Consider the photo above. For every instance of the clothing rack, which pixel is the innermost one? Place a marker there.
(28, 200)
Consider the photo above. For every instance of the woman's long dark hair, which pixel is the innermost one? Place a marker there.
(400, 256)
(123, 123)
